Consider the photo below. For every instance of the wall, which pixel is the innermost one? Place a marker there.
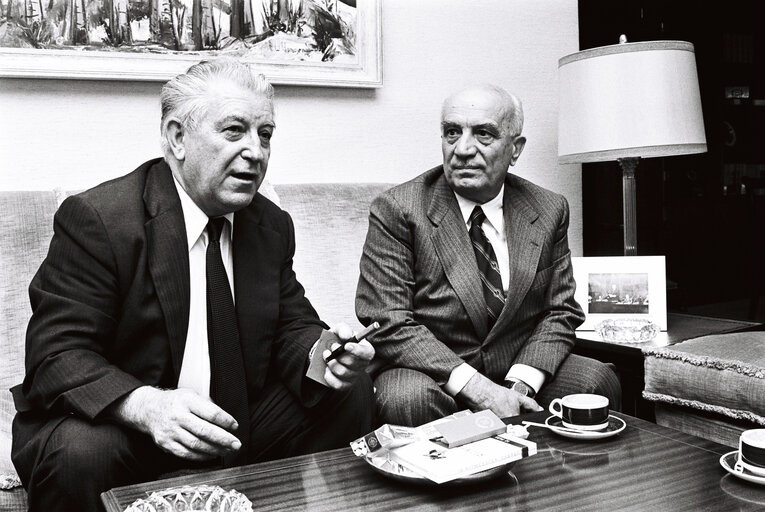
(74, 134)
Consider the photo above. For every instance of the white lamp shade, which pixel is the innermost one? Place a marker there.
(629, 100)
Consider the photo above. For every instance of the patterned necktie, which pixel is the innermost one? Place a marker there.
(487, 267)
(228, 385)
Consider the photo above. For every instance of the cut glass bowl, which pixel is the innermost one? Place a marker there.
(627, 330)
(203, 498)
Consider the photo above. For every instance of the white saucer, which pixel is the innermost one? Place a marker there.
(728, 461)
(615, 425)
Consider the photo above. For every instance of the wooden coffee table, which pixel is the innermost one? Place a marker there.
(645, 467)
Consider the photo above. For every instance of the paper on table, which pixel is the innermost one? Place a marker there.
(439, 464)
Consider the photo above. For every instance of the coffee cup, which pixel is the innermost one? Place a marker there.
(581, 411)
(751, 452)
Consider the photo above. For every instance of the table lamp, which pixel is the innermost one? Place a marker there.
(629, 101)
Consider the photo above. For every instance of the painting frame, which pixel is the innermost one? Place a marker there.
(609, 287)
(366, 72)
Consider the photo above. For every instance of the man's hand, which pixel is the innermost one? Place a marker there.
(481, 393)
(343, 371)
(180, 421)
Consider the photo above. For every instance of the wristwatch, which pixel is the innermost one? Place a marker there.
(520, 387)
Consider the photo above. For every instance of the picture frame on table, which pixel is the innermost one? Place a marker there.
(333, 43)
(611, 287)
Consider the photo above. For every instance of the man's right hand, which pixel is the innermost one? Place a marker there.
(481, 393)
(180, 421)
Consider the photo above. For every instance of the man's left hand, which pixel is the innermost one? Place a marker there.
(343, 371)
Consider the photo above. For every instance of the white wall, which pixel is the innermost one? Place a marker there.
(74, 134)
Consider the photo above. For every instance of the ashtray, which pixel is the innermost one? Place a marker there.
(202, 498)
(627, 330)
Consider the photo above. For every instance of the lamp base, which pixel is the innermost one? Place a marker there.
(629, 187)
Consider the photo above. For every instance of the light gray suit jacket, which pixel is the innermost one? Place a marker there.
(420, 280)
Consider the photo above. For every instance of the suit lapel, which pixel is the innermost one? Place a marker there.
(168, 256)
(524, 244)
(452, 243)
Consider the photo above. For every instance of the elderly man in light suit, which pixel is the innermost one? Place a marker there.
(451, 337)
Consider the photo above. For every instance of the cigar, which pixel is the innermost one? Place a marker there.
(355, 339)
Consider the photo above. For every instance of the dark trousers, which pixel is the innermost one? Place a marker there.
(409, 397)
(83, 459)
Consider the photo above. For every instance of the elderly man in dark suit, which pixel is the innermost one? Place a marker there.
(169, 330)
(468, 270)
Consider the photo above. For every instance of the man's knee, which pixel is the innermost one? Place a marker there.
(80, 461)
(606, 383)
(600, 379)
(408, 397)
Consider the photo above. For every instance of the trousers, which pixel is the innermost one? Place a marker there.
(82, 459)
(409, 397)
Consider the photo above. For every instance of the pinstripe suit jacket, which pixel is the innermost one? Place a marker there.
(111, 303)
(420, 280)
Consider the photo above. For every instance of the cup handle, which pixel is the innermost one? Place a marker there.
(738, 467)
(553, 410)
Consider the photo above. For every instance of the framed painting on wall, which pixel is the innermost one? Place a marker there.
(621, 287)
(302, 42)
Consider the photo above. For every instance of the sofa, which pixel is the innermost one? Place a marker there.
(712, 386)
(330, 227)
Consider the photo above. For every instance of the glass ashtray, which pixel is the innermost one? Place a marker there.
(202, 498)
(627, 330)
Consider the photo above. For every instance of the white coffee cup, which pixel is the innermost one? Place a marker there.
(582, 411)
(751, 452)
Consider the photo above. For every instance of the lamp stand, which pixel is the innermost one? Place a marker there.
(629, 165)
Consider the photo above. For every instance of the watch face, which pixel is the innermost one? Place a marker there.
(521, 388)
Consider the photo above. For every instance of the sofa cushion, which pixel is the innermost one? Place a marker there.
(723, 374)
(26, 227)
(331, 222)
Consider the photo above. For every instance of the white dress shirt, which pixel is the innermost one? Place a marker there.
(494, 229)
(195, 368)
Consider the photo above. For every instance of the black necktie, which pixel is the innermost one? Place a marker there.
(228, 385)
(491, 279)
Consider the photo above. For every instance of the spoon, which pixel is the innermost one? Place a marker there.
(552, 427)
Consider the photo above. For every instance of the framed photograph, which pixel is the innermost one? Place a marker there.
(301, 42)
(621, 287)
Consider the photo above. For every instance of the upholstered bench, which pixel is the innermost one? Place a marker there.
(712, 386)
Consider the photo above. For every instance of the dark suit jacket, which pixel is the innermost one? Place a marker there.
(111, 302)
(420, 280)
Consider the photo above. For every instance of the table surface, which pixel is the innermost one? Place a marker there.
(680, 327)
(645, 467)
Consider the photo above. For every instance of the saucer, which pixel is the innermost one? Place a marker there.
(728, 461)
(615, 425)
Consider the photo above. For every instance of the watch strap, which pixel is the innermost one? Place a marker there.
(520, 387)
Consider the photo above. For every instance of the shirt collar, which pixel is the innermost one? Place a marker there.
(492, 208)
(195, 219)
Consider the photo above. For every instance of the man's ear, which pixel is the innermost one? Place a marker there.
(518, 144)
(174, 137)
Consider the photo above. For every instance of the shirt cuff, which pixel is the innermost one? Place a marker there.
(531, 376)
(459, 378)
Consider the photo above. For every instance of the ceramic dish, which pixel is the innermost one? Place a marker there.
(615, 425)
(396, 471)
(728, 462)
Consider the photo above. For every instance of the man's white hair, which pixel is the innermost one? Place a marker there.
(185, 96)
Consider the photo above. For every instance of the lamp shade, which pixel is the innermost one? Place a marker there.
(629, 100)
